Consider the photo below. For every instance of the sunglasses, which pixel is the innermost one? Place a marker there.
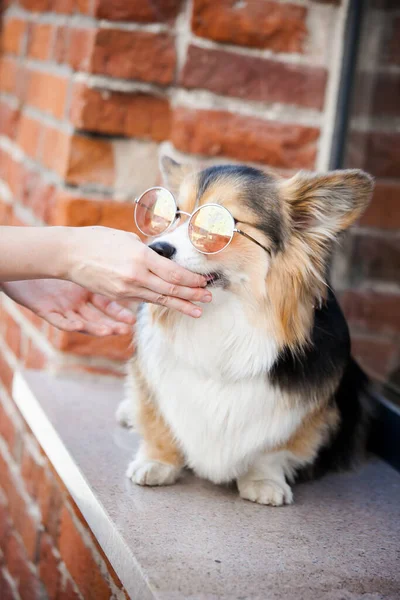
(211, 227)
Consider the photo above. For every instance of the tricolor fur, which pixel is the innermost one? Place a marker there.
(262, 389)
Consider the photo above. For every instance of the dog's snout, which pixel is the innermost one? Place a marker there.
(163, 249)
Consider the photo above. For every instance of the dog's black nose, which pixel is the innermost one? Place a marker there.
(163, 249)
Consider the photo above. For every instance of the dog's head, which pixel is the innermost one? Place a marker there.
(296, 221)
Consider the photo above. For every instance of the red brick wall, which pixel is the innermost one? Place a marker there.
(46, 548)
(89, 90)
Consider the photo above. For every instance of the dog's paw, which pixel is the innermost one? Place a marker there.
(266, 491)
(124, 414)
(152, 472)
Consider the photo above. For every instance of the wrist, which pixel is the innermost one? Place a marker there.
(67, 254)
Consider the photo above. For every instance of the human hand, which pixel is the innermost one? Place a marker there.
(70, 307)
(118, 265)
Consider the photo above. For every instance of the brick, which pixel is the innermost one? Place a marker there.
(50, 501)
(118, 215)
(80, 44)
(55, 150)
(40, 41)
(375, 258)
(75, 212)
(386, 92)
(79, 561)
(47, 93)
(61, 44)
(29, 132)
(141, 11)
(253, 78)
(5, 212)
(23, 520)
(219, 133)
(384, 210)
(382, 88)
(129, 114)
(81, 212)
(8, 74)
(393, 47)
(15, 172)
(7, 430)
(12, 37)
(48, 567)
(13, 336)
(36, 5)
(68, 592)
(29, 587)
(8, 119)
(117, 347)
(22, 82)
(6, 373)
(375, 355)
(16, 221)
(98, 548)
(37, 194)
(34, 358)
(138, 55)
(376, 151)
(279, 27)
(91, 160)
(372, 311)
(64, 7)
(7, 592)
(4, 160)
(5, 524)
(31, 473)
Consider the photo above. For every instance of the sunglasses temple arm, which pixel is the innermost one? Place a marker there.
(246, 235)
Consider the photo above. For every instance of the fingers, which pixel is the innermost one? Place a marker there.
(113, 309)
(88, 326)
(155, 284)
(96, 321)
(171, 272)
(183, 306)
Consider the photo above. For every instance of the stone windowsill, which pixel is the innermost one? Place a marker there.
(341, 539)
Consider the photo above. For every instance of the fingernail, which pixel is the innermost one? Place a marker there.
(196, 312)
(206, 298)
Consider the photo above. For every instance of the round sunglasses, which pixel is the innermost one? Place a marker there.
(211, 227)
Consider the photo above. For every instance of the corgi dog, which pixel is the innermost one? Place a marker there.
(261, 390)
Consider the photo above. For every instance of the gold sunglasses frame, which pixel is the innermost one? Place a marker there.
(191, 215)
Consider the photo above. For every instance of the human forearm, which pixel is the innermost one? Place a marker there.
(33, 253)
(104, 261)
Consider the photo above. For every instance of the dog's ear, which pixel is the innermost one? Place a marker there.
(173, 173)
(322, 206)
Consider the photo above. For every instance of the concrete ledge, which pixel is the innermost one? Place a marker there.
(340, 540)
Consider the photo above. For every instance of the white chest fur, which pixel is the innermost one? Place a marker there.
(210, 382)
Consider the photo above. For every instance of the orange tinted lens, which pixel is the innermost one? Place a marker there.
(155, 211)
(211, 229)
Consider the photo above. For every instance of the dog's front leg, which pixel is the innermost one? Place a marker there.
(265, 481)
(158, 460)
